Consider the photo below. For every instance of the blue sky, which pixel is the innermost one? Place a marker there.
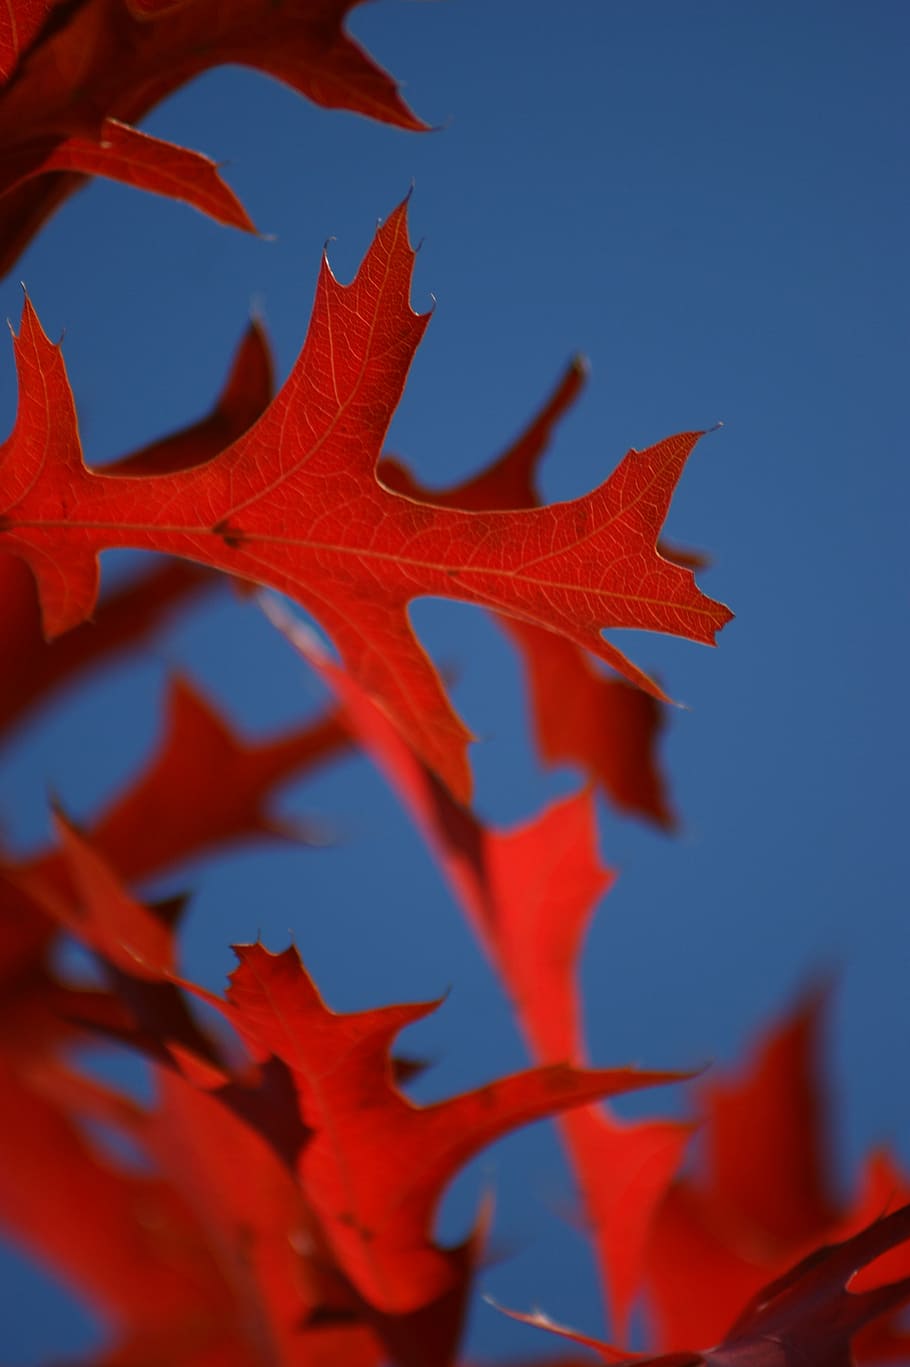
(710, 202)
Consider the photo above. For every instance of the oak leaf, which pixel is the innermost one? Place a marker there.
(809, 1315)
(76, 83)
(529, 894)
(376, 1165)
(371, 1165)
(203, 788)
(127, 615)
(295, 504)
(20, 21)
(611, 729)
(199, 1258)
(206, 788)
(762, 1194)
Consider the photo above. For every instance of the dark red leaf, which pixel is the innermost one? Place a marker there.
(807, 1318)
(79, 82)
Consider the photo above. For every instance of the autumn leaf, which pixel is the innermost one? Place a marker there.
(762, 1193)
(145, 1006)
(376, 1165)
(206, 787)
(373, 1166)
(808, 1316)
(127, 615)
(77, 84)
(295, 504)
(611, 730)
(203, 789)
(20, 21)
(198, 1258)
(529, 894)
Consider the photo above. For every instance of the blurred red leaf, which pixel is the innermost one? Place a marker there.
(203, 788)
(807, 1316)
(77, 83)
(20, 21)
(295, 504)
(206, 787)
(603, 725)
(199, 1256)
(762, 1194)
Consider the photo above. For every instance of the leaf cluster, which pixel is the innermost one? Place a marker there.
(281, 1202)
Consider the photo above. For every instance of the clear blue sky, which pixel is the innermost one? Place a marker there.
(710, 201)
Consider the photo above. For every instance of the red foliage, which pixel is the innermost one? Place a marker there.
(611, 728)
(273, 1203)
(126, 615)
(78, 75)
(295, 504)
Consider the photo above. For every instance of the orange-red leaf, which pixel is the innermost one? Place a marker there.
(202, 788)
(295, 504)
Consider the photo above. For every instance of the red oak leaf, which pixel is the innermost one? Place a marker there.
(529, 894)
(206, 787)
(116, 152)
(808, 1316)
(373, 1166)
(101, 913)
(20, 21)
(185, 1262)
(79, 1214)
(124, 617)
(79, 82)
(376, 1165)
(762, 1195)
(146, 1007)
(136, 947)
(295, 504)
(610, 730)
(203, 788)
